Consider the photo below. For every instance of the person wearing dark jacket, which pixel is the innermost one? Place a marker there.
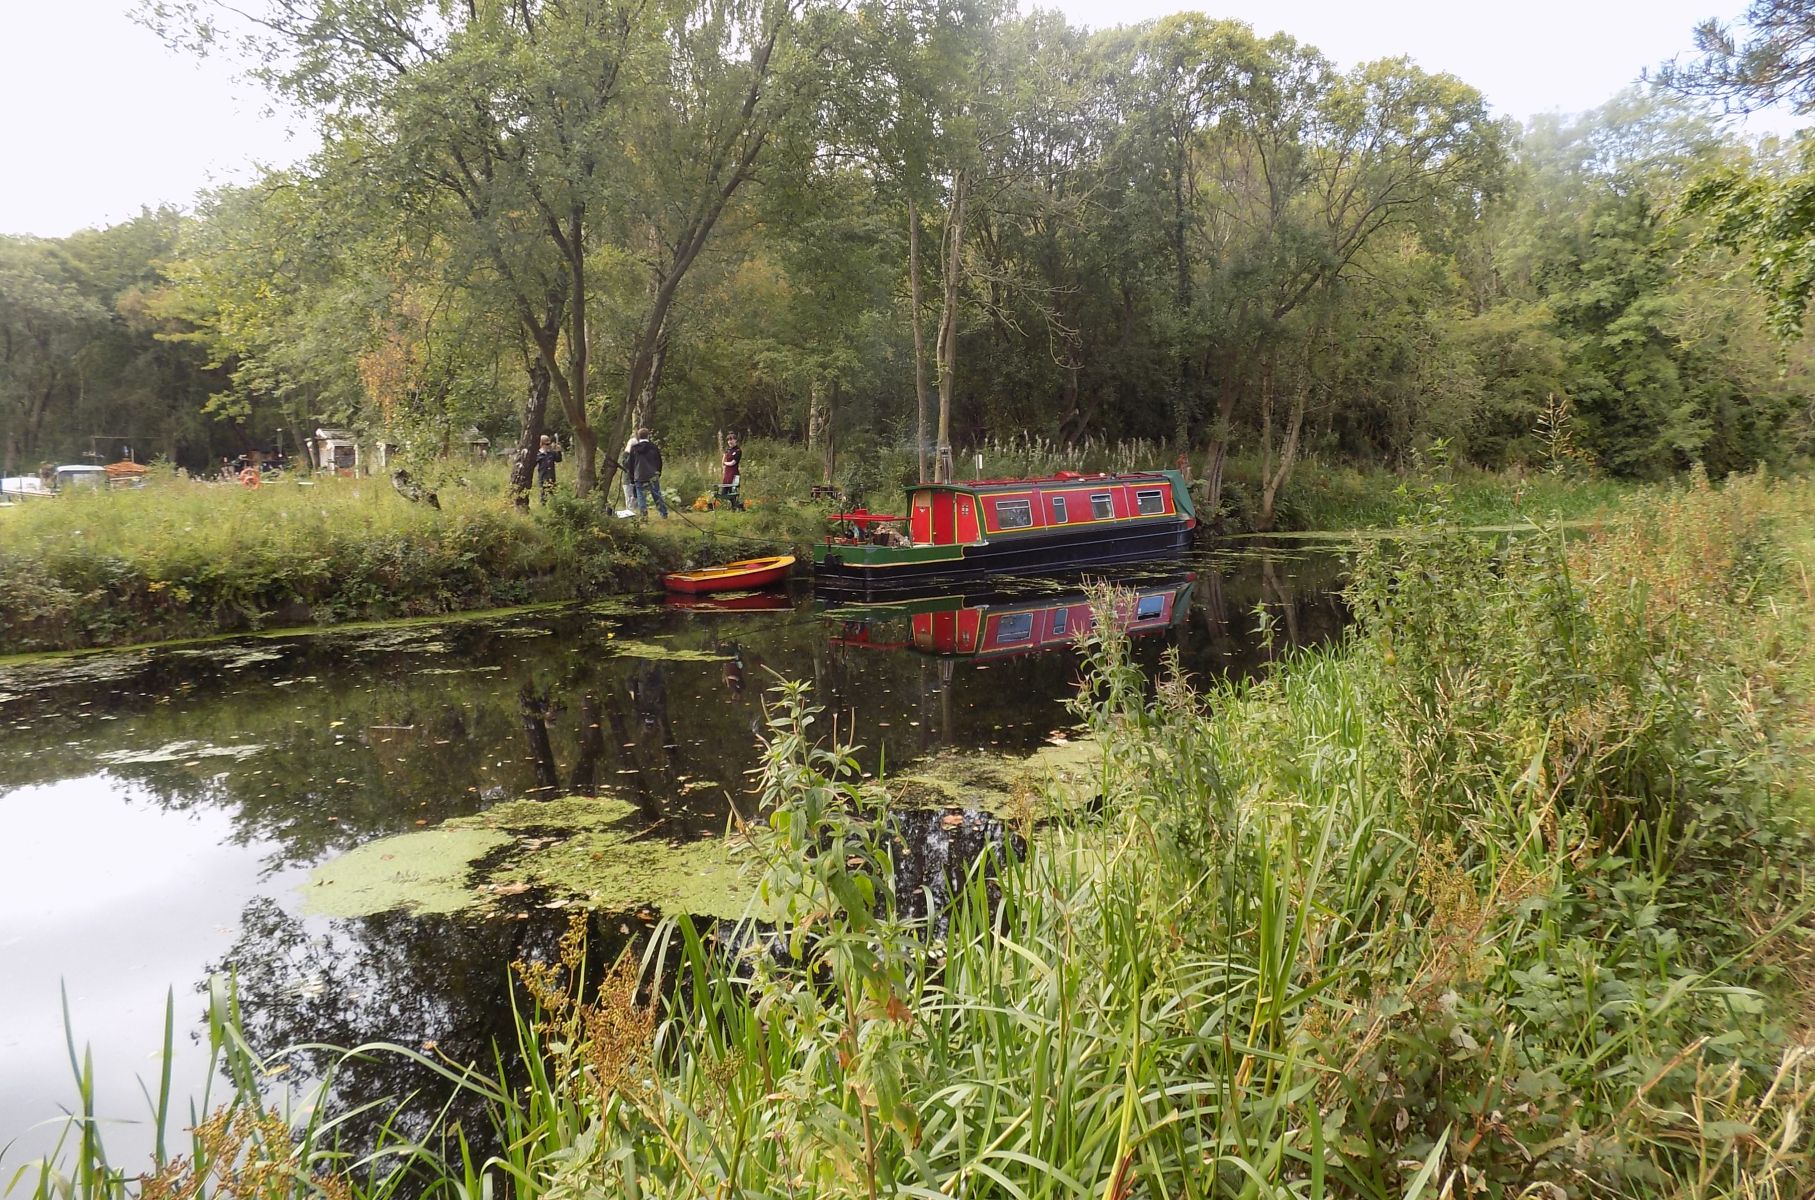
(643, 463)
(547, 455)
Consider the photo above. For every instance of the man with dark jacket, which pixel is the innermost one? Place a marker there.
(643, 463)
(548, 453)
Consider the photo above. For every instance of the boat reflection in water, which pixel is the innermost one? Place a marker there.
(992, 625)
(772, 601)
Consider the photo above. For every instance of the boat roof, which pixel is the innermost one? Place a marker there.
(1062, 479)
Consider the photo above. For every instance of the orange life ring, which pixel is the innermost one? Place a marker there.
(249, 477)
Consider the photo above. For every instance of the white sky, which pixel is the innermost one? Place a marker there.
(97, 118)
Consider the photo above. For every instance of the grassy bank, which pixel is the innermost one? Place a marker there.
(1506, 895)
(1325, 496)
(181, 558)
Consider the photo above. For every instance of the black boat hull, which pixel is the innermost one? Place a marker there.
(1021, 556)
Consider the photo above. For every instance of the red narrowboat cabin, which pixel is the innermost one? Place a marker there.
(1008, 526)
(1002, 626)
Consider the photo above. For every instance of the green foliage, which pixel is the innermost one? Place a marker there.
(181, 558)
(1772, 61)
(1177, 232)
(1502, 896)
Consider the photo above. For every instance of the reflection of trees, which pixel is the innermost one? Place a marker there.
(433, 982)
(1298, 591)
(534, 708)
(358, 745)
(935, 852)
(443, 985)
(584, 779)
(359, 742)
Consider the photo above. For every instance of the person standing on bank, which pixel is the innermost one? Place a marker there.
(630, 492)
(730, 484)
(546, 457)
(643, 463)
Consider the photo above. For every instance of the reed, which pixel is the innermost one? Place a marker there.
(1503, 896)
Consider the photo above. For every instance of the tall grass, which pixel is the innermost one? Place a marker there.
(1504, 896)
(1324, 495)
(182, 557)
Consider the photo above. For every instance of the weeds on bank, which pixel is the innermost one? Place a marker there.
(183, 558)
(1503, 897)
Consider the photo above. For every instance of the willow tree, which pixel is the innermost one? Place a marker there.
(733, 77)
(554, 133)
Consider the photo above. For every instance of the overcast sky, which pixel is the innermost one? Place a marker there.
(100, 119)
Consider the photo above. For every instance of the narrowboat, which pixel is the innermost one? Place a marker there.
(1009, 526)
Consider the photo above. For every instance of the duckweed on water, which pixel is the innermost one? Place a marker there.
(424, 873)
(1056, 778)
(583, 850)
(630, 648)
(233, 658)
(597, 852)
(607, 871)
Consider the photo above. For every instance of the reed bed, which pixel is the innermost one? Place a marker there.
(1504, 896)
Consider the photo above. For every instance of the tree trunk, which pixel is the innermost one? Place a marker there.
(645, 401)
(1219, 445)
(829, 434)
(819, 423)
(586, 442)
(535, 411)
(303, 445)
(916, 307)
(1275, 474)
(647, 356)
(948, 323)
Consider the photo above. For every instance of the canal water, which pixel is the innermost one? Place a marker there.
(161, 811)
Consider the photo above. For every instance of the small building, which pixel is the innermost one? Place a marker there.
(477, 444)
(336, 450)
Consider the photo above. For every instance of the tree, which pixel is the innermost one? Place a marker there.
(1771, 62)
(47, 317)
(733, 75)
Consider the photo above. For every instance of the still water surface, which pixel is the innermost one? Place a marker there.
(160, 811)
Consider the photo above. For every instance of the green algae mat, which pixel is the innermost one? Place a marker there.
(571, 851)
(595, 852)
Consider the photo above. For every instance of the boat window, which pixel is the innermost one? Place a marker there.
(1149, 503)
(1058, 510)
(1058, 619)
(1102, 507)
(1014, 627)
(1014, 514)
(1149, 607)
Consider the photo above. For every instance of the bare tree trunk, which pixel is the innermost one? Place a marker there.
(535, 410)
(829, 444)
(645, 400)
(586, 441)
(948, 323)
(1275, 474)
(916, 303)
(1219, 444)
(816, 403)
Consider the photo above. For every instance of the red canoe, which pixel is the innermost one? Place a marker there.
(732, 577)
